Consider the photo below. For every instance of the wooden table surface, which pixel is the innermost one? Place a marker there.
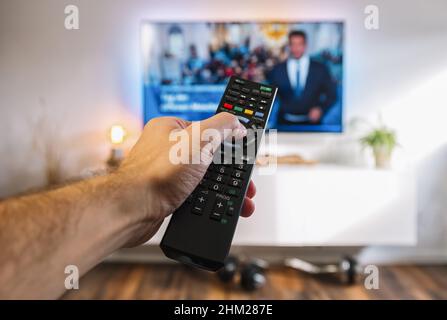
(173, 281)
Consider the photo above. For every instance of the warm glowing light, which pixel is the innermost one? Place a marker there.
(117, 134)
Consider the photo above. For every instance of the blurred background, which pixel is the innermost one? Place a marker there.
(366, 187)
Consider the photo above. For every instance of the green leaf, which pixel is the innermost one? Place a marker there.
(381, 137)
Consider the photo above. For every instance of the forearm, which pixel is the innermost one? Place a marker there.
(41, 234)
(82, 223)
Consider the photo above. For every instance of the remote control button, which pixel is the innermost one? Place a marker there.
(241, 166)
(240, 81)
(223, 169)
(265, 89)
(220, 206)
(255, 92)
(197, 210)
(243, 119)
(232, 192)
(253, 99)
(219, 209)
(243, 97)
(266, 94)
(233, 93)
(235, 183)
(230, 98)
(251, 105)
(238, 174)
(215, 216)
(245, 90)
(259, 114)
(262, 107)
(201, 200)
(236, 86)
(231, 211)
(242, 102)
(204, 183)
(263, 101)
(216, 187)
(248, 111)
(202, 191)
(230, 208)
(199, 205)
(238, 109)
(220, 178)
(228, 106)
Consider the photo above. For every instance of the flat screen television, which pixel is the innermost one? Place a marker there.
(186, 66)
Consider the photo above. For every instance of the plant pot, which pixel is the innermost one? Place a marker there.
(382, 157)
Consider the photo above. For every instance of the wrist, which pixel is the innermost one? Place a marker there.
(114, 220)
(134, 207)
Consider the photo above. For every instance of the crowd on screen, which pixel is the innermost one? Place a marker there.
(223, 62)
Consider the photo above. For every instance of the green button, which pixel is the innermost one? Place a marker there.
(229, 203)
(267, 89)
(238, 109)
(223, 221)
(232, 191)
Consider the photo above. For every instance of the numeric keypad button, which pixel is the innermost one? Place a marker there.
(241, 166)
(217, 187)
(220, 178)
(236, 183)
(238, 174)
(223, 169)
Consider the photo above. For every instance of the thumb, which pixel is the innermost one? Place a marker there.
(220, 127)
(214, 130)
(225, 123)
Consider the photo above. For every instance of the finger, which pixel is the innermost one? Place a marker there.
(220, 127)
(247, 208)
(183, 123)
(251, 192)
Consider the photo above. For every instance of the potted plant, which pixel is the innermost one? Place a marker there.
(382, 141)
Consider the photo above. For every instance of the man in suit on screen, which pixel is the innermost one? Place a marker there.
(306, 88)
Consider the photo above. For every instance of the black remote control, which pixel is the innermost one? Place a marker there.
(202, 228)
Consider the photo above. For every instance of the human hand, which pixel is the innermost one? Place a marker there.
(315, 114)
(154, 186)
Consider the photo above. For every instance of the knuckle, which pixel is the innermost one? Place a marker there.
(231, 119)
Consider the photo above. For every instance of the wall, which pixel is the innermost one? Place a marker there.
(77, 83)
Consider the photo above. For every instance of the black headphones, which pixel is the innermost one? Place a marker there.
(250, 272)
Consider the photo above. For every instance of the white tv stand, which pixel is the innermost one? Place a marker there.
(329, 205)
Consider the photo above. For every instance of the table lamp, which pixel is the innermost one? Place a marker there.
(117, 135)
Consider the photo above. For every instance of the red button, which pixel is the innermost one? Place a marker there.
(227, 106)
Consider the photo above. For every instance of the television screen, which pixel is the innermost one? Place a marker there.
(187, 65)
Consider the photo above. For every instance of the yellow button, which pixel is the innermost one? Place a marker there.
(248, 111)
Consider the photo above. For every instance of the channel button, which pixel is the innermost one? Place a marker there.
(243, 119)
